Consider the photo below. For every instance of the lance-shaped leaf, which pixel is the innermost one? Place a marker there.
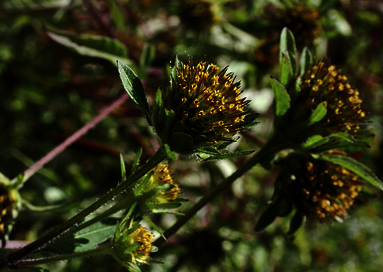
(306, 59)
(287, 43)
(228, 155)
(154, 226)
(92, 46)
(296, 222)
(356, 167)
(281, 98)
(134, 87)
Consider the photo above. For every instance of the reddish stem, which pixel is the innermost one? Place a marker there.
(34, 168)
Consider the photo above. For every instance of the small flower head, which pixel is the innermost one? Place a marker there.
(323, 190)
(303, 22)
(9, 207)
(197, 15)
(323, 83)
(132, 244)
(207, 107)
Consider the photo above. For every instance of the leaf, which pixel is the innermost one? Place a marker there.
(154, 226)
(209, 150)
(147, 56)
(267, 217)
(138, 189)
(122, 165)
(296, 222)
(92, 46)
(231, 155)
(356, 167)
(281, 98)
(287, 43)
(312, 141)
(306, 60)
(318, 114)
(286, 69)
(85, 239)
(137, 159)
(157, 107)
(170, 153)
(134, 87)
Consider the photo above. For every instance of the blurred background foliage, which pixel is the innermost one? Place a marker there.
(58, 70)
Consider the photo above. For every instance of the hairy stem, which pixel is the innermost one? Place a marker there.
(14, 257)
(102, 250)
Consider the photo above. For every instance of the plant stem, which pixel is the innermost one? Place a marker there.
(34, 168)
(13, 258)
(270, 148)
(102, 250)
(119, 206)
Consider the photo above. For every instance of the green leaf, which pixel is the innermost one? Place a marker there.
(267, 217)
(306, 60)
(92, 46)
(170, 153)
(117, 14)
(147, 56)
(138, 189)
(231, 155)
(209, 150)
(287, 43)
(85, 239)
(286, 69)
(154, 226)
(296, 222)
(312, 141)
(122, 165)
(356, 167)
(281, 98)
(137, 159)
(318, 114)
(156, 116)
(134, 87)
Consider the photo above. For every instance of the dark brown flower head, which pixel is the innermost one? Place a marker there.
(303, 22)
(323, 190)
(197, 15)
(323, 83)
(9, 207)
(207, 106)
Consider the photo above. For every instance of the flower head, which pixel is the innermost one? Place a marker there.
(207, 107)
(197, 15)
(132, 244)
(302, 21)
(323, 190)
(323, 83)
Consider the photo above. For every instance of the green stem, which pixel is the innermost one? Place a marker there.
(119, 206)
(13, 258)
(102, 250)
(272, 147)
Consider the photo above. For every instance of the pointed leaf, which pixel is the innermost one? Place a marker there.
(287, 43)
(281, 98)
(306, 60)
(138, 189)
(228, 155)
(92, 46)
(267, 217)
(122, 165)
(312, 141)
(356, 167)
(170, 153)
(318, 114)
(154, 226)
(209, 150)
(147, 55)
(134, 87)
(296, 222)
(286, 69)
(137, 159)
(157, 107)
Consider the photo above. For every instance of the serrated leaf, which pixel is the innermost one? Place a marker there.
(231, 155)
(92, 46)
(306, 60)
(356, 167)
(318, 114)
(287, 43)
(136, 159)
(85, 239)
(281, 98)
(170, 153)
(134, 87)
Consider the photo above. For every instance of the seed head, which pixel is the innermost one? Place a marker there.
(323, 190)
(207, 107)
